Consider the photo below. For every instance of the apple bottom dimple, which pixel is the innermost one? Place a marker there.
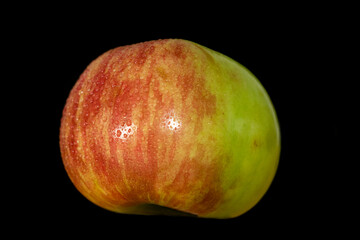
(154, 209)
(151, 209)
(175, 205)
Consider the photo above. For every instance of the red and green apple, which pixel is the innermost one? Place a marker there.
(170, 127)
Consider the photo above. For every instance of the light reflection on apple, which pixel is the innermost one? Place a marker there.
(124, 131)
(171, 121)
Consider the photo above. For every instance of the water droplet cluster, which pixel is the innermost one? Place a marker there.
(124, 130)
(171, 121)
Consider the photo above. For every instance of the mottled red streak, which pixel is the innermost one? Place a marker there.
(125, 100)
(121, 97)
(71, 109)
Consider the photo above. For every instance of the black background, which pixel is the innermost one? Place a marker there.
(287, 49)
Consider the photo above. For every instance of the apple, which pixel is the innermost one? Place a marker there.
(170, 127)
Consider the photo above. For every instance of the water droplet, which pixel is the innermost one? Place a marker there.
(125, 130)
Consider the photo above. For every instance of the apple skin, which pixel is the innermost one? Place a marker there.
(170, 123)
